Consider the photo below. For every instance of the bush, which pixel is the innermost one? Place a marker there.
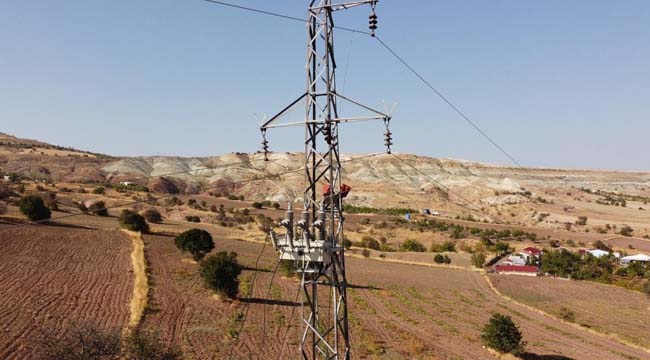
(196, 241)
(34, 208)
(438, 259)
(79, 342)
(147, 345)
(99, 190)
(133, 221)
(447, 246)
(370, 243)
(220, 273)
(501, 334)
(152, 215)
(478, 260)
(276, 206)
(98, 208)
(412, 245)
(193, 218)
(567, 315)
(582, 220)
(89, 342)
(257, 205)
(365, 253)
(626, 231)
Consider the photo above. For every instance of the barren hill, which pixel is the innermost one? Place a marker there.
(488, 192)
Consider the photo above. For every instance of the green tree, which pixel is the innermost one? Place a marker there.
(133, 221)
(478, 260)
(447, 246)
(221, 272)
(152, 215)
(439, 259)
(98, 208)
(34, 208)
(196, 241)
(412, 245)
(502, 334)
(370, 243)
(501, 247)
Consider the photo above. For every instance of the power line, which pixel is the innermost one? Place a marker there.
(283, 16)
(448, 102)
(401, 60)
(467, 202)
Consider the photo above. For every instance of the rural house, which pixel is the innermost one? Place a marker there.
(635, 258)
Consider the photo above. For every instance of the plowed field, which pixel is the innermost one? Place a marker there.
(53, 276)
(397, 311)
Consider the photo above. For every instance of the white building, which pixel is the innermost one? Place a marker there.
(635, 258)
(600, 253)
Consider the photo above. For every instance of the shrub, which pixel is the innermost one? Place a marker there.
(582, 220)
(82, 207)
(220, 273)
(567, 315)
(439, 259)
(98, 208)
(133, 221)
(370, 243)
(257, 205)
(412, 245)
(501, 334)
(193, 218)
(626, 231)
(144, 344)
(478, 260)
(276, 206)
(79, 342)
(152, 215)
(447, 246)
(196, 241)
(365, 253)
(99, 190)
(501, 247)
(600, 245)
(33, 207)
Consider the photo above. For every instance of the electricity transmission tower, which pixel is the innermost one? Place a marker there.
(315, 241)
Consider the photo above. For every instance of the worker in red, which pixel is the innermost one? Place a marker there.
(327, 196)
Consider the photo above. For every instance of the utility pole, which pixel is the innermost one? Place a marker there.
(315, 241)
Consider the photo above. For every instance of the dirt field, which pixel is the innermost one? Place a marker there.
(397, 311)
(604, 308)
(52, 276)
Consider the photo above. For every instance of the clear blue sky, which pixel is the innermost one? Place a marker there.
(556, 83)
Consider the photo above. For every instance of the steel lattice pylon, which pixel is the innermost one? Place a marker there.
(315, 242)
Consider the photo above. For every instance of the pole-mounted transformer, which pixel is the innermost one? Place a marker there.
(315, 241)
